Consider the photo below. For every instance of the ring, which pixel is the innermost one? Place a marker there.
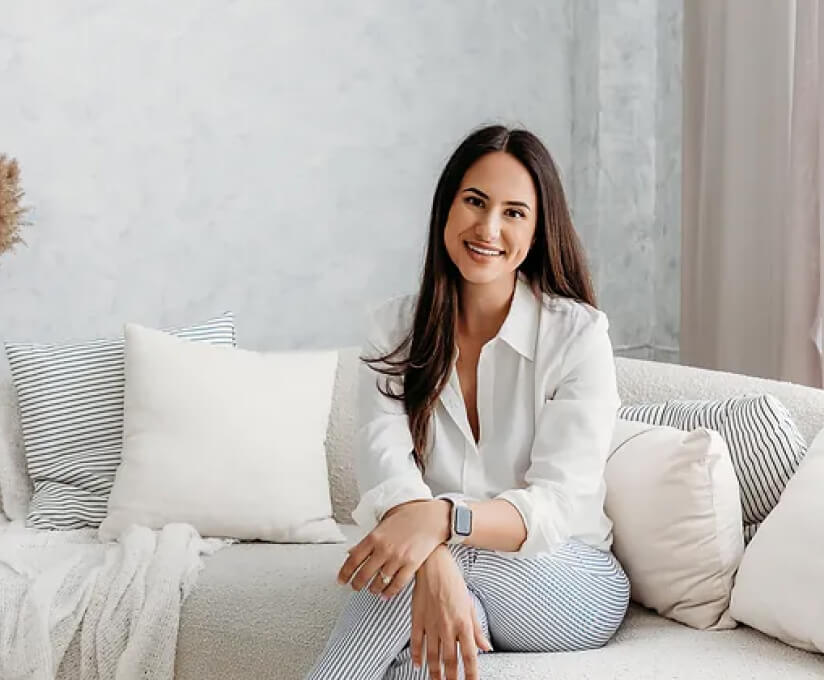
(386, 579)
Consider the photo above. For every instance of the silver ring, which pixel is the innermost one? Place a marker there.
(386, 579)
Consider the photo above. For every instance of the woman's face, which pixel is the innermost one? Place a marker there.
(491, 222)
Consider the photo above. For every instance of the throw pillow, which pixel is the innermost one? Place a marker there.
(228, 440)
(779, 588)
(71, 413)
(764, 442)
(673, 499)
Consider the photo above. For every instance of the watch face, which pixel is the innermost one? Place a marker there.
(463, 521)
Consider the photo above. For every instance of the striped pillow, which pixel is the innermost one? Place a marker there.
(71, 413)
(765, 445)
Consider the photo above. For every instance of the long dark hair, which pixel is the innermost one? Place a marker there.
(555, 264)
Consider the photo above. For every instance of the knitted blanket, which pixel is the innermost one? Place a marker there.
(121, 600)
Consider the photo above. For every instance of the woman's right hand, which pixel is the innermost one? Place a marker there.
(443, 614)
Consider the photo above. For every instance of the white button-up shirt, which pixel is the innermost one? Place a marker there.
(547, 401)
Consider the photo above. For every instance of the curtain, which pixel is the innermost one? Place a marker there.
(751, 224)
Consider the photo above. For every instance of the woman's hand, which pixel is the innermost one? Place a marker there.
(397, 547)
(443, 613)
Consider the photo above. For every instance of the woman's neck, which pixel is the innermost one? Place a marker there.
(483, 308)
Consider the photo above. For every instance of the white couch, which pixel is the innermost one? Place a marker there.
(265, 610)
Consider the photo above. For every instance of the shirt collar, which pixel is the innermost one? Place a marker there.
(520, 328)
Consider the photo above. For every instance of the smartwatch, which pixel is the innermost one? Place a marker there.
(460, 526)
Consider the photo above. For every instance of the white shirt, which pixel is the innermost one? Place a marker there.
(547, 402)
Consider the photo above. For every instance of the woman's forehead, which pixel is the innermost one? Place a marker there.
(502, 177)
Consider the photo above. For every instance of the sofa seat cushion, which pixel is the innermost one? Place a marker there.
(265, 610)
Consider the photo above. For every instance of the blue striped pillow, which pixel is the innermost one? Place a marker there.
(765, 444)
(71, 413)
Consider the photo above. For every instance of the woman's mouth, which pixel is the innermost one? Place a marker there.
(482, 254)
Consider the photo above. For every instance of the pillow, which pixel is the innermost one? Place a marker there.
(228, 440)
(673, 499)
(764, 442)
(71, 413)
(780, 584)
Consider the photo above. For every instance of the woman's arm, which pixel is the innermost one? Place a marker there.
(383, 456)
(496, 524)
(565, 479)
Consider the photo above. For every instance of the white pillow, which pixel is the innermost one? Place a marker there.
(780, 585)
(673, 498)
(765, 445)
(71, 414)
(228, 440)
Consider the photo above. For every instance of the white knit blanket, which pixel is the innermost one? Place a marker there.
(121, 600)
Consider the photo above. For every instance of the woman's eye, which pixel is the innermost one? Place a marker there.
(474, 200)
(513, 212)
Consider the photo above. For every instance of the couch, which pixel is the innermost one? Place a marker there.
(265, 610)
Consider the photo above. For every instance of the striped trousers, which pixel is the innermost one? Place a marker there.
(572, 599)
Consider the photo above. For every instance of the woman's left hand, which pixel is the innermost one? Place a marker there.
(397, 547)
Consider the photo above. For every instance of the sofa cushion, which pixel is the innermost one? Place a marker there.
(262, 610)
(779, 588)
(673, 499)
(765, 444)
(228, 440)
(71, 414)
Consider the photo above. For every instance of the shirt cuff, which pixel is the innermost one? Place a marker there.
(376, 502)
(543, 535)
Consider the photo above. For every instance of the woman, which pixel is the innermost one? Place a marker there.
(487, 403)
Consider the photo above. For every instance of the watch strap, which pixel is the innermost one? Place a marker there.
(455, 500)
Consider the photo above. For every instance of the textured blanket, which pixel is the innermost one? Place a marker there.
(121, 599)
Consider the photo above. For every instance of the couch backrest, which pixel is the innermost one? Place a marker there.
(638, 382)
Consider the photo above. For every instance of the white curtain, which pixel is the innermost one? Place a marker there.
(752, 229)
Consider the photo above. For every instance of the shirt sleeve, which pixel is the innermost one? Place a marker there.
(384, 462)
(565, 479)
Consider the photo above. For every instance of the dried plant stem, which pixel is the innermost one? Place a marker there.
(12, 212)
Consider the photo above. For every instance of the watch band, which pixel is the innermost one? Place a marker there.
(458, 505)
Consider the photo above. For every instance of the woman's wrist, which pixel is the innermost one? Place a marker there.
(443, 520)
(436, 559)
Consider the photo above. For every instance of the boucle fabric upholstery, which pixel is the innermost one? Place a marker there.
(265, 611)
(15, 485)
(639, 382)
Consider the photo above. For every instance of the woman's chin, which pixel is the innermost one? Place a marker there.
(480, 274)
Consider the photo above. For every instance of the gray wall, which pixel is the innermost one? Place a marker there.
(626, 165)
(278, 158)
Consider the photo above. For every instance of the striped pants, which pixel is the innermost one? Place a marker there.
(572, 599)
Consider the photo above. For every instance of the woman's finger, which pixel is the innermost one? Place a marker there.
(357, 555)
(416, 643)
(433, 656)
(367, 570)
(450, 657)
(480, 638)
(400, 580)
(469, 653)
(379, 585)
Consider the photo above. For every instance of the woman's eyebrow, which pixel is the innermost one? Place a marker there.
(518, 203)
(484, 196)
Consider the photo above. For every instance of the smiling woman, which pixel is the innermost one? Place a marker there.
(487, 226)
(487, 403)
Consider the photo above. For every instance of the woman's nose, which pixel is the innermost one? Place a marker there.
(488, 228)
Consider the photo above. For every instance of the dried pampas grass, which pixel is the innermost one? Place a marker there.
(11, 211)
